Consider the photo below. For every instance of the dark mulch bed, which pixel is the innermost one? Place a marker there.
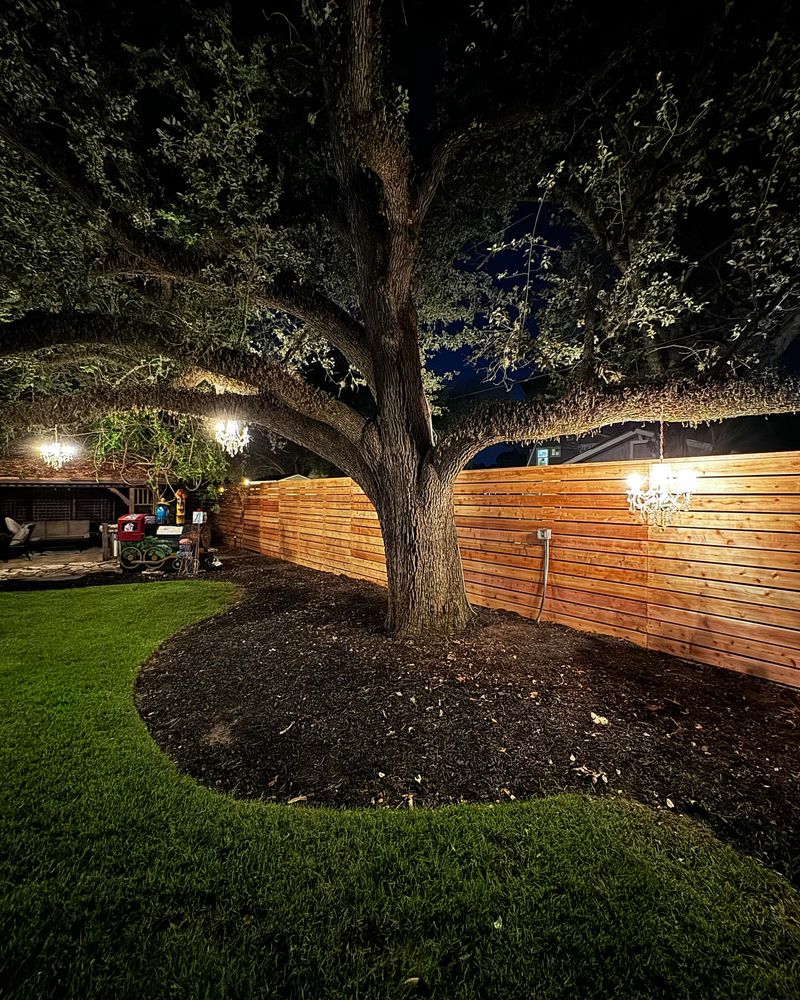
(297, 694)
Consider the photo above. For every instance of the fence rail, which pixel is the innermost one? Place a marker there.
(722, 586)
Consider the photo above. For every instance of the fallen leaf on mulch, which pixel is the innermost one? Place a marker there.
(298, 798)
(594, 775)
(599, 720)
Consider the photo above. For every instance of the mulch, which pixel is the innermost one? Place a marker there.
(296, 695)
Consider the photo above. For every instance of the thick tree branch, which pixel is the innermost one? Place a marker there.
(571, 197)
(771, 348)
(372, 160)
(321, 314)
(787, 333)
(367, 127)
(228, 369)
(588, 409)
(373, 164)
(261, 410)
(326, 318)
(191, 378)
(477, 131)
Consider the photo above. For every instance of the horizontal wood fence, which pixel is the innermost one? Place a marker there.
(722, 586)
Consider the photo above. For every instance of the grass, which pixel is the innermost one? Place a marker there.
(123, 879)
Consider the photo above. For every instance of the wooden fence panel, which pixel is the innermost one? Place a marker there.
(720, 586)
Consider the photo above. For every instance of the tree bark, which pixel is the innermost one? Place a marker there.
(423, 563)
(589, 407)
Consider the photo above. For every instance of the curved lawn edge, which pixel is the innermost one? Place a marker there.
(124, 878)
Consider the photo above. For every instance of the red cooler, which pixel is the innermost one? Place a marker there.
(130, 528)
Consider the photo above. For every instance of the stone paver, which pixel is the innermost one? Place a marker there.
(58, 565)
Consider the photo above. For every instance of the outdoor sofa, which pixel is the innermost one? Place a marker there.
(48, 532)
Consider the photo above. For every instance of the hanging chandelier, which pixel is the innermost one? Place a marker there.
(232, 437)
(55, 453)
(663, 494)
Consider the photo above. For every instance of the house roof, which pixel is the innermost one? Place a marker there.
(640, 434)
(31, 471)
(637, 435)
(277, 479)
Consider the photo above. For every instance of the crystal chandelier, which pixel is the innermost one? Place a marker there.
(663, 494)
(55, 454)
(230, 436)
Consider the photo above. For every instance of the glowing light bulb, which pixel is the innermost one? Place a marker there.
(660, 475)
(635, 482)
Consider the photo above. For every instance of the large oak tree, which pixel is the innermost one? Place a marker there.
(257, 195)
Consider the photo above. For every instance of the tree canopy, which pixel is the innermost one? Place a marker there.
(294, 207)
(177, 181)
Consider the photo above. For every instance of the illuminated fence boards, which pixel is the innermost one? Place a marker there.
(721, 586)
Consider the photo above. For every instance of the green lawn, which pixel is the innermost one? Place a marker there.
(123, 879)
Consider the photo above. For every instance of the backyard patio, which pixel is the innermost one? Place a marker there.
(51, 566)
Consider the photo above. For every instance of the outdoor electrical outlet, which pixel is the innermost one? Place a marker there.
(544, 534)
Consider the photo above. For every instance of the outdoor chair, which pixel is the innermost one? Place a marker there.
(18, 540)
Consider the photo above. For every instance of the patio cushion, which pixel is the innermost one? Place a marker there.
(62, 530)
(56, 529)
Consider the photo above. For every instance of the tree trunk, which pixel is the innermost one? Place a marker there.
(423, 562)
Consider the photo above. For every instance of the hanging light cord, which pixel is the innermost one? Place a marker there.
(545, 574)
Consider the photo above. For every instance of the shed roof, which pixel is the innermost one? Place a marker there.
(30, 471)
